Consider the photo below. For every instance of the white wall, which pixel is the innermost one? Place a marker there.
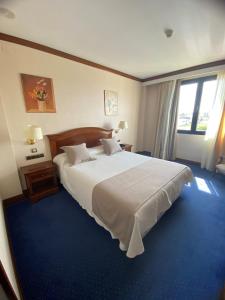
(9, 181)
(79, 97)
(5, 254)
(9, 186)
(189, 147)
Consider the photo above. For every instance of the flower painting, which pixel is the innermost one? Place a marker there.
(111, 103)
(38, 94)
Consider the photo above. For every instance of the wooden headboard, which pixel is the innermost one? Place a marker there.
(88, 135)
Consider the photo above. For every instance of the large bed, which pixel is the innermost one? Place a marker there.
(125, 193)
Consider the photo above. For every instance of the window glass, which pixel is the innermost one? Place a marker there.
(186, 105)
(207, 99)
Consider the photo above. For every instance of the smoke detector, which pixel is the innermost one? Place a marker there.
(168, 32)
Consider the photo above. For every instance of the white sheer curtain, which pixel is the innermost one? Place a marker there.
(167, 121)
(209, 149)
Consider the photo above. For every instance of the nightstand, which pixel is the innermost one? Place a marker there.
(41, 180)
(126, 147)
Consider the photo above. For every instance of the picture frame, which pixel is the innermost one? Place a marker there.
(111, 103)
(38, 94)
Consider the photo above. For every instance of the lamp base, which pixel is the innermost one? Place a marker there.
(31, 141)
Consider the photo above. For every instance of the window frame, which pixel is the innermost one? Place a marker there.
(200, 81)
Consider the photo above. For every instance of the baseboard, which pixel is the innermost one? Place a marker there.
(186, 161)
(13, 199)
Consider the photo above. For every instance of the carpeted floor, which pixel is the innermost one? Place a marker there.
(61, 253)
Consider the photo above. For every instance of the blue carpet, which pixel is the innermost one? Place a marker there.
(61, 253)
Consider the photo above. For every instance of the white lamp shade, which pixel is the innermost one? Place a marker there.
(123, 125)
(35, 133)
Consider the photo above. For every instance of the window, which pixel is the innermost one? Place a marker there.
(195, 103)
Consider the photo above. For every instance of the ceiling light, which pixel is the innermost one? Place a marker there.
(5, 12)
(168, 32)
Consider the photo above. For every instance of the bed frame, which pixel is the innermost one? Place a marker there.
(89, 135)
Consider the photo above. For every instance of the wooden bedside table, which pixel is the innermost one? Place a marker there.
(41, 180)
(126, 147)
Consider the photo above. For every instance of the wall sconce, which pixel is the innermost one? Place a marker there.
(122, 125)
(34, 133)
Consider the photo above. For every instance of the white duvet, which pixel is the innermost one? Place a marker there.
(80, 180)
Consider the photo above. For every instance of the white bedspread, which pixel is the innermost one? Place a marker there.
(80, 180)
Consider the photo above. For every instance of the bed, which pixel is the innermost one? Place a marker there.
(125, 193)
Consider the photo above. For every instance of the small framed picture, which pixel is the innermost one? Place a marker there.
(111, 103)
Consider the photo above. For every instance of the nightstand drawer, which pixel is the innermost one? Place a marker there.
(38, 176)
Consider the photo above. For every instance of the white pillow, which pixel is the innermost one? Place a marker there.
(60, 160)
(77, 153)
(96, 150)
(111, 146)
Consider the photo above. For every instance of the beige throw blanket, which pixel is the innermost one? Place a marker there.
(151, 186)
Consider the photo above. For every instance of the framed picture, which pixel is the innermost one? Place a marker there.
(111, 103)
(38, 94)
